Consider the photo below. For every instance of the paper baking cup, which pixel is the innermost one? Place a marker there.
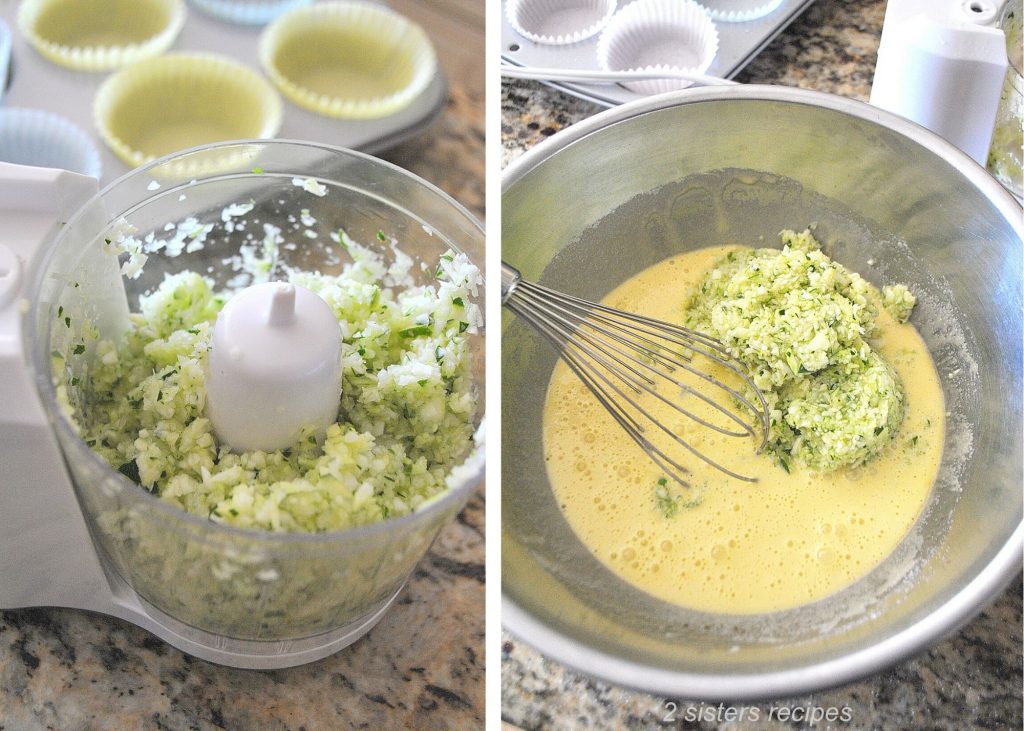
(739, 11)
(44, 139)
(351, 60)
(658, 35)
(173, 102)
(558, 22)
(100, 35)
(248, 12)
(5, 56)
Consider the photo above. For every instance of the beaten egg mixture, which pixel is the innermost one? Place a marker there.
(796, 535)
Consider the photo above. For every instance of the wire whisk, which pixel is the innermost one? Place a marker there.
(623, 358)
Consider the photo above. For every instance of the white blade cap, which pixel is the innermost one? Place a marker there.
(274, 368)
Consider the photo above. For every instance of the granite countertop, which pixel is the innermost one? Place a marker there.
(421, 667)
(972, 679)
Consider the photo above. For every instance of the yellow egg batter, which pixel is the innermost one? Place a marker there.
(738, 547)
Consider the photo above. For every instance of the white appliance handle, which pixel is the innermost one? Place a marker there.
(47, 557)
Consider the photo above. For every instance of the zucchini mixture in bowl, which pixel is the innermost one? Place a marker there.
(802, 325)
(854, 445)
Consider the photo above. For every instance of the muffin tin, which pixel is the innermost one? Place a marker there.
(39, 84)
(738, 43)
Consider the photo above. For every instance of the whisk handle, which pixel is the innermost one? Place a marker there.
(510, 277)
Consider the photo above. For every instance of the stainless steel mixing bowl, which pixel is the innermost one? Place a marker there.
(625, 189)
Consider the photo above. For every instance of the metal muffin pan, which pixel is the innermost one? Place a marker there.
(40, 84)
(738, 43)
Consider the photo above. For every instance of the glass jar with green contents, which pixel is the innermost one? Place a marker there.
(1006, 155)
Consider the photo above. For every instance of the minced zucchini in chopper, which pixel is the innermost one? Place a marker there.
(405, 418)
(802, 325)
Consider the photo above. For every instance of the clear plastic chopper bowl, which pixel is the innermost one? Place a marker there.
(246, 590)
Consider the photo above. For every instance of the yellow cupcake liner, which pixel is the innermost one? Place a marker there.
(351, 60)
(183, 100)
(100, 35)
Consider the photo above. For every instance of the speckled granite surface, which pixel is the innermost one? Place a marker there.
(421, 667)
(970, 680)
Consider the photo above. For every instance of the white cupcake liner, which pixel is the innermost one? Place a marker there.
(355, 23)
(35, 18)
(225, 98)
(45, 139)
(739, 11)
(248, 12)
(5, 56)
(558, 22)
(657, 36)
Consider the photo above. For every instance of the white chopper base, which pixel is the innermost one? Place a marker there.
(47, 555)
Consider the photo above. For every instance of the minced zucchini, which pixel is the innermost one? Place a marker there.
(898, 301)
(405, 419)
(802, 325)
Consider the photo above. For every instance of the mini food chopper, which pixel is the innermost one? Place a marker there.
(82, 535)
